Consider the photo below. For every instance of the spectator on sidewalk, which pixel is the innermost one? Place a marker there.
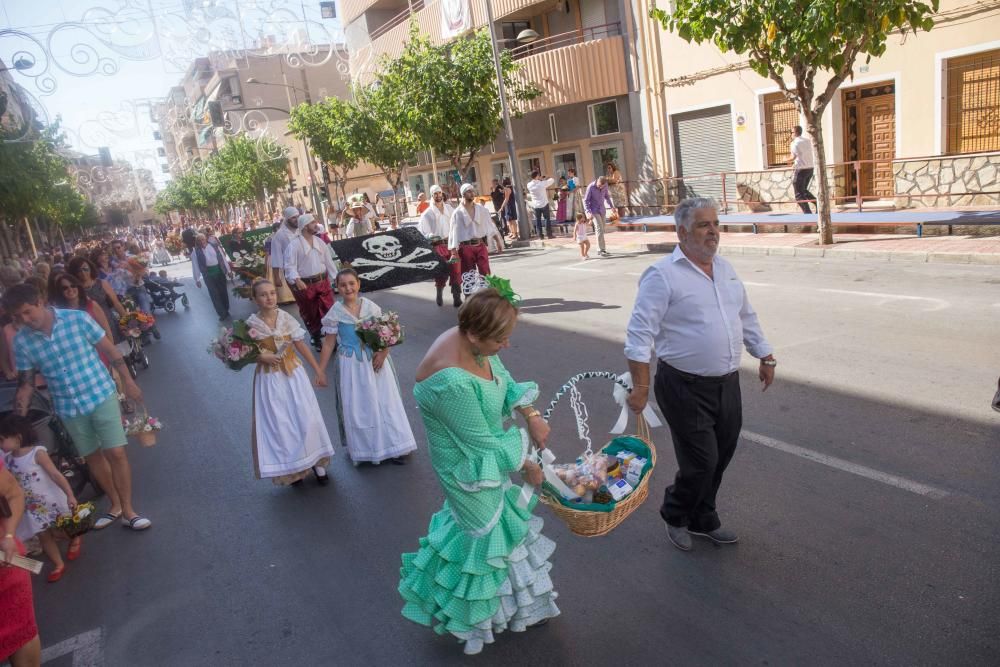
(509, 209)
(593, 205)
(539, 202)
(19, 640)
(801, 151)
(693, 313)
(63, 345)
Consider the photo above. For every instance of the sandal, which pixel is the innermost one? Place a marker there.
(75, 546)
(56, 574)
(136, 523)
(106, 520)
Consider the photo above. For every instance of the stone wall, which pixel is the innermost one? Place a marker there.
(952, 180)
(772, 190)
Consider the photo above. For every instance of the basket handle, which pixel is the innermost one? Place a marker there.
(572, 383)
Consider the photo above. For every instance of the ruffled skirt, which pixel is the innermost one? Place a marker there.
(475, 587)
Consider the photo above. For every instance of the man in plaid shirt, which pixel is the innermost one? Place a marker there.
(63, 346)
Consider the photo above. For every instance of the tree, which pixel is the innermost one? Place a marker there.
(248, 167)
(804, 39)
(448, 94)
(327, 126)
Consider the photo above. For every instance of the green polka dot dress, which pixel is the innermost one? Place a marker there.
(484, 565)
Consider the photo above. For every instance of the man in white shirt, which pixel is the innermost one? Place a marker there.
(209, 261)
(435, 224)
(280, 240)
(470, 225)
(538, 199)
(309, 269)
(692, 311)
(801, 151)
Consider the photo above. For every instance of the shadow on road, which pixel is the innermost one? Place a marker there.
(556, 305)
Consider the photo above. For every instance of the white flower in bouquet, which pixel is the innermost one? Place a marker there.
(83, 513)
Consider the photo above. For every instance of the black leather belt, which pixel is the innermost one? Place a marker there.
(470, 242)
(438, 242)
(314, 279)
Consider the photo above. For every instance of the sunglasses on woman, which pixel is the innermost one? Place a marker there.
(65, 287)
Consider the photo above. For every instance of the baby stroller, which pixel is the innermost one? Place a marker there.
(54, 437)
(134, 327)
(163, 295)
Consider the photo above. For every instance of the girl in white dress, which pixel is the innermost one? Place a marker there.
(47, 494)
(289, 436)
(580, 234)
(373, 424)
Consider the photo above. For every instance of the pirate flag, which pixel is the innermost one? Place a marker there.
(390, 259)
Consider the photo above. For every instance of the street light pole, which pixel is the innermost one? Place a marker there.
(522, 216)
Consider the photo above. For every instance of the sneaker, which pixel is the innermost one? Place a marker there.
(719, 535)
(604, 253)
(679, 537)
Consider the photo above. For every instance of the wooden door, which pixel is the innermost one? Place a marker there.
(877, 141)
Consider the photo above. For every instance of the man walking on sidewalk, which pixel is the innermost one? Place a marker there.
(801, 151)
(210, 261)
(309, 268)
(63, 346)
(539, 202)
(692, 311)
(593, 205)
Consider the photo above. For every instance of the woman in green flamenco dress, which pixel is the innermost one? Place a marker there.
(484, 565)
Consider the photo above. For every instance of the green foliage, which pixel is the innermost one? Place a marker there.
(382, 130)
(239, 172)
(448, 94)
(329, 128)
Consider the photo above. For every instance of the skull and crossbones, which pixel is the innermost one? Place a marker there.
(389, 251)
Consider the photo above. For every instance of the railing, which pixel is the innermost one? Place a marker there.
(566, 39)
(401, 17)
(733, 189)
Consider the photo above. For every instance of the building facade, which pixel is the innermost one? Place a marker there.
(592, 115)
(919, 125)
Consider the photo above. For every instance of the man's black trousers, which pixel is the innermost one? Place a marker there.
(218, 290)
(705, 415)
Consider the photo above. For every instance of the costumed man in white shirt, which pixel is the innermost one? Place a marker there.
(288, 230)
(801, 150)
(470, 226)
(693, 313)
(309, 268)
(357, 211)
(538, 200)
(209, 261)
(435, 224)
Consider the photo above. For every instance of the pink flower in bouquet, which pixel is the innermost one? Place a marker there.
(257, 334)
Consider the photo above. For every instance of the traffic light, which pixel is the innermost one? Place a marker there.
(215, 113)
(291, 184)
(326, 174)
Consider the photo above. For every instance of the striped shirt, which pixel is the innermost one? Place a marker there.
(77, 379)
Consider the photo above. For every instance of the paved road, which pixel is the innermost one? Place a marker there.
(865, 495)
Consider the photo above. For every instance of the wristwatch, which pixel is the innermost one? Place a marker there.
(769, 362)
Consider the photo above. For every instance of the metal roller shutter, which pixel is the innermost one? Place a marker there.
(703, 144)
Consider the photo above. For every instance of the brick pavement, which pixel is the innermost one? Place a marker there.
(879, 247)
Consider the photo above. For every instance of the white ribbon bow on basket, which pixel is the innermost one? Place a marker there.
(620, 395)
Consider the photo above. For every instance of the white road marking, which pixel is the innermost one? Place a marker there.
(753, 284)
(85, 648)
(633, 273)
(939, 304)
(847, 466)
(575, 267)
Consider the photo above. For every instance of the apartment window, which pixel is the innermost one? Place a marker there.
(973, 102)
(553, 133)
(780, 116)
(563, 162)
(295, 161)
(511, 29)
(162, 152)
(530, 164)
(603, 118)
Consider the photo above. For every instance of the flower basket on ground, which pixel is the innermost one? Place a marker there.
(234, 346)
(379, 333)
(80, 521)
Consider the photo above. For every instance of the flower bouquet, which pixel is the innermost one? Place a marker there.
(248, 265)
(134, 322)
(381, 332)
(80, 521)
(143, 428)
(174, 244)
(235, 347)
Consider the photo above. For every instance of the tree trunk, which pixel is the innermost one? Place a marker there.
(815, 125)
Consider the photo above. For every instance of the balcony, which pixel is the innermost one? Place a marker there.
(352, 9)
(574, 67)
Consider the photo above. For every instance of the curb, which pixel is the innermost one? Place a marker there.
(900, 256)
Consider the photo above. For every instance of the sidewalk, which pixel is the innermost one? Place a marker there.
(877, 247)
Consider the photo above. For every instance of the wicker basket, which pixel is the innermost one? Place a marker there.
(587, 523)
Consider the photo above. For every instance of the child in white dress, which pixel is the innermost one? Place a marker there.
(47, 494)
(289, 435)
(373, 423)
(580, 234)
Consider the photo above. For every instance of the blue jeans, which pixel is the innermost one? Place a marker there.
(545, 212)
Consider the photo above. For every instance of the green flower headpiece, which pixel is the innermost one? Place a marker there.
(502, 285)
